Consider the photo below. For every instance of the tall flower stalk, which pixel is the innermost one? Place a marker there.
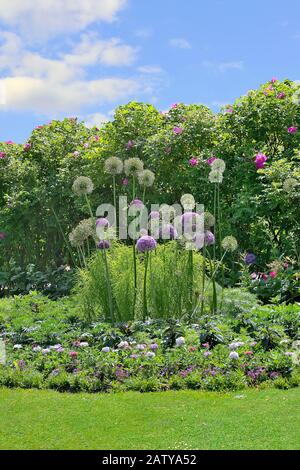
(145, 244)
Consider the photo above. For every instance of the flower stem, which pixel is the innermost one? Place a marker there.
(110, 299)
(145, 309)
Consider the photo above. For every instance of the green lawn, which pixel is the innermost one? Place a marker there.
(31, 419)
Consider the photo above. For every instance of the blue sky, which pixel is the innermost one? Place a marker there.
(83, 58)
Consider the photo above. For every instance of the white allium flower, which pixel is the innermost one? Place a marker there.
(235, 345)
(180, 341)
(215, 176)
(133, 166)
(188, 201)
(84, 344)
(146, 178)
(82, 232)
(18, 346)
(36, 349)
(141, 347)
(229, 243)
(218, 165)
(123, 345)
(209, 220)
(289, 185)
(82, 186)
(106, 349)
(113, 166)
(234, 355)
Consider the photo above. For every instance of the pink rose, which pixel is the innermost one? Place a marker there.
(273, 274)
(260, 160)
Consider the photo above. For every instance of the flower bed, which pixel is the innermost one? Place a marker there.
(50, 345)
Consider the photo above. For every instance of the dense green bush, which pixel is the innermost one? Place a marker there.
(38, 210)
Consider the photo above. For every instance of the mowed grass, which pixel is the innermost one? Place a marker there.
(31, 419)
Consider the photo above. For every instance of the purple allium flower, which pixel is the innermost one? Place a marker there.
(292, 130)
(134, 356)
(211, 160)
(233, 355)
(102, 222)
(27, 146)
(2, 155)
(177, 130)
(125, 182)
(153, 346)
(76, 153)
(168, 232)
(141, 347)
(129, 145)
(106, 349)
(123, 345)
(146, 243)
(55, 372)
(193, 162)
(260, 160)
(154, 215)
(209, 238)
(86, 145)
(250, 258)
(281, 95)
(103, 245)
(190, 220)
(137, 203)
(199, 241)
(207, 354)
(46, 351)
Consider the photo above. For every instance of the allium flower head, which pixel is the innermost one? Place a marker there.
(102, 222)
(133, 166)
(209, 220)
(289, 185)
(167, 211)
(168, 232)
(260, 160)
(146, 243)
(229, 243)
(113, 166)
(82, 232)
(199, 240)
(103, 245)
(146, 178)
(83, 185)
(218, 165)
(154, 215)
(215, 176)
(250, 258)
(191, 220)
(209, 238)
(188, 202)
(137, 203)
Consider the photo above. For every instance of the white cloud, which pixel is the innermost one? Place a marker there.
(50, 86)
(223, 66)
(91, 50)
(49, 97)
(151, 69)
(143, 33)
(51, 17)
(96, 119)
(180, 43)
